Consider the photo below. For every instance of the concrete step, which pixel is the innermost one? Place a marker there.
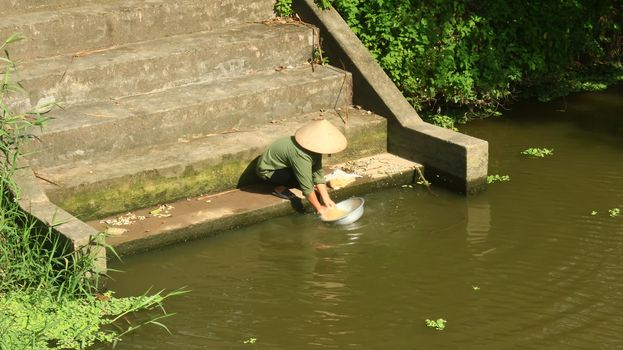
(163, 63)
(187, 112)
(11, 7)
(104, 24)
(109, 184)
(204, 216)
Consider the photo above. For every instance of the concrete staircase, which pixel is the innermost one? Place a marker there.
(163, 100)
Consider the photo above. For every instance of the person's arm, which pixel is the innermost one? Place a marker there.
(324, 194)
(313, 200)
(302, 168)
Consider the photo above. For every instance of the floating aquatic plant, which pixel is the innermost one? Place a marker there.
(498, 178)
(439, 324)
(538, 152)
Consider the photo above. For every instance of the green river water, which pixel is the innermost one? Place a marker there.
(524, 265)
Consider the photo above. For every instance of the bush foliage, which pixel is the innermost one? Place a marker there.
(471, 56)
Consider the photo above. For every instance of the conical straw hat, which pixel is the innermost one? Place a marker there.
(320, 136)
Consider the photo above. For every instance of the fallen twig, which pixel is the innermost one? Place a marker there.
(46, 180)
(216, 194)
(84, 53)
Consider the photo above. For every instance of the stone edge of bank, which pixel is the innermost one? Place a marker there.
(73, 232)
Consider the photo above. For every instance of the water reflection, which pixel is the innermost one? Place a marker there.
(478, 223)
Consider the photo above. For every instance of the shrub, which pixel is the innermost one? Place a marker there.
(464, 58)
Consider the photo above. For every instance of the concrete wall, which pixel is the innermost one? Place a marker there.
(77, 234)
(450, 158)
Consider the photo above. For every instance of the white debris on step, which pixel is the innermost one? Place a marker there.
(125, 219)
(115, 231)
(339, 178)
(163, 211)
(378, 166)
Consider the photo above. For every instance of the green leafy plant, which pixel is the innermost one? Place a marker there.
(538, 152)
(460, 55)
(498, 178)
(445, 121)
(438, 324)
(323, 4)
(32, 257)
(250, 341)
(318, 56)
(34, 320)
(462, 60)
(283, 8)
(14, 128)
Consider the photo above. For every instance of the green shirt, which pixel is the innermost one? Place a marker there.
(286, 153)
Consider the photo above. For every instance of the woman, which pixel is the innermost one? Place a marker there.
(296, 161)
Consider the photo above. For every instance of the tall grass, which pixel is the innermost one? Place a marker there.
(35, 258)
(48, 290)
(32, 257)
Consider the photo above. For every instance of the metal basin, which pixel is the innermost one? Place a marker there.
(352, 208)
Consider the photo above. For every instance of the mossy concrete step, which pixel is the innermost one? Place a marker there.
(142, 177)
(103, 24)
(189, 111)
(203, 216)
(163, 63)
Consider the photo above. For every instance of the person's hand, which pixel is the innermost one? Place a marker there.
(321, 210)
(329, 203)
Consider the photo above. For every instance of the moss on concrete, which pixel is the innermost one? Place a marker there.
(362, 143)
(150, 188)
